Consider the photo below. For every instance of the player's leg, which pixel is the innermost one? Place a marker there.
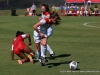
(44, 48)
(37, 43)
(37, 40)
(19, 50)
(23, 57)
(31, 53)
(50, 51)
(49, 33)
(38, 51)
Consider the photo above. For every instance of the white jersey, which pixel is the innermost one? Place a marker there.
(43, 28)
(50, 29)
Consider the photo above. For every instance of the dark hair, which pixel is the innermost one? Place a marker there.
(54, 14)
(19, 33)
(46, 6)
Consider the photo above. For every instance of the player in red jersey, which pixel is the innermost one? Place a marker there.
(82, 9)
(20, 48)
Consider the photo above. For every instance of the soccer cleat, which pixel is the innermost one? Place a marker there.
(51, 56)
(42, 63)
(31, 60)
(20, 62)
(46, 60)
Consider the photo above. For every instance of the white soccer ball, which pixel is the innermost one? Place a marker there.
(73, 65)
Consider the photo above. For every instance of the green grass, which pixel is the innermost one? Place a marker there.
(71, 41)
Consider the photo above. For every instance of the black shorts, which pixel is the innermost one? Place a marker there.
(34, 11)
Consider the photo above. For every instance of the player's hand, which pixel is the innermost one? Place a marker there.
(42, 35)
(40, 18)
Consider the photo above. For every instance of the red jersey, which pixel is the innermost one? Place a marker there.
(82, 8)
(46, 15)
(18, 44)
(47, 20)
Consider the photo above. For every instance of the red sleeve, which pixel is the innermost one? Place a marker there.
(47, 13)
(47, 20)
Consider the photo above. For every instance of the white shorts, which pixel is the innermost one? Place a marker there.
(49, 31)
(37, 37)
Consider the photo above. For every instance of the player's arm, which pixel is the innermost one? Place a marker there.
(40, 18)
(12, 53)
(37, 30)
(29, 38)
(36, 27)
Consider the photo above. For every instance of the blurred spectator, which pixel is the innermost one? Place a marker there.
(82, 10)
(75, 8)
(72, 8)
(66, 8)
(57, 9)
(34, 9)
(96, 10)
(29, 12)
(91, 11)
(53, 8)
(61, 9)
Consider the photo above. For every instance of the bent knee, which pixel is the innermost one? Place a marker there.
(44, 44)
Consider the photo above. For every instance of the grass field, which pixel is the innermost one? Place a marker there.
(72, 40)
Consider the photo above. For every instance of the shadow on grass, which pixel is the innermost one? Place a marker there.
(77, 69)
(60, 56)
(57, 64)
(63, 55)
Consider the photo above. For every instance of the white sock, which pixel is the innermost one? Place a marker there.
(43, 50)
(40, 60)
(38, 54)
(49, 49)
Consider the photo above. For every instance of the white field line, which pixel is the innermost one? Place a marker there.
(89, 24)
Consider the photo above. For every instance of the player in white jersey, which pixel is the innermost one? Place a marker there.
(46, 14)
(40, 33)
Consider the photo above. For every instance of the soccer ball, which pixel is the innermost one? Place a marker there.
(73, 65)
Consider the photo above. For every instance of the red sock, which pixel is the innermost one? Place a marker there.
(23, 60)
(31, 54)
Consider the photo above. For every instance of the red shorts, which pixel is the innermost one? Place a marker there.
(19, 48)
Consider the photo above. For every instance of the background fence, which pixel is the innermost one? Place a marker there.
(10, 4)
